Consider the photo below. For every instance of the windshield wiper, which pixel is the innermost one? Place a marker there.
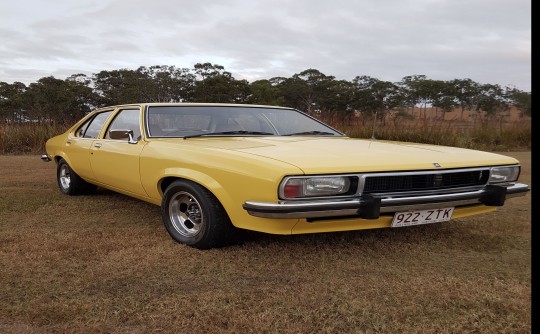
(311, 133)
(241, 132)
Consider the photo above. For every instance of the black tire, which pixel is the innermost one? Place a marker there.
(193, 216)
(70, 183)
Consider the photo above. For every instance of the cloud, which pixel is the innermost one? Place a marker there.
(488, 41)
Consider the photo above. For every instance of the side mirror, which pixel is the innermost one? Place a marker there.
(122, 134)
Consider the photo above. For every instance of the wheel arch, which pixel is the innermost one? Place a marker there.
(205, 181)
(57, 159)
(61, 156)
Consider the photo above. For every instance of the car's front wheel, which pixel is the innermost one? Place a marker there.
(193, 216)
(69, 182)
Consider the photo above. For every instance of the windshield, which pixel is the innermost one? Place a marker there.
(199, 121)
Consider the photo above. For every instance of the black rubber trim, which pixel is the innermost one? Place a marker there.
(370, 207)
(494, 196)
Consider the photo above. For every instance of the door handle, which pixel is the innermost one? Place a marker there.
(98, 145)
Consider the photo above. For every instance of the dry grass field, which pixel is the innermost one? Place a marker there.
(105, 264)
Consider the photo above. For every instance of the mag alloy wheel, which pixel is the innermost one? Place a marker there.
(69, 182)
(65, 177)
(194, 216)
(185, 214)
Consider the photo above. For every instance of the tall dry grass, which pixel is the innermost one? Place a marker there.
(485, 135)
(27, 138)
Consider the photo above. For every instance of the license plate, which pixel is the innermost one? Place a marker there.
(419, 217)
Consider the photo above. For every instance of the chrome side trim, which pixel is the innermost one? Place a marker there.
(352, 206)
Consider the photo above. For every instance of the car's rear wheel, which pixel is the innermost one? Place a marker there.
(193, 216)
(69, 182)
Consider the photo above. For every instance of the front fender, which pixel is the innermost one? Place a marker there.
(195, 176)
(232, 177)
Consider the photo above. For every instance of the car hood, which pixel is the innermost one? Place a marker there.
(315, 155)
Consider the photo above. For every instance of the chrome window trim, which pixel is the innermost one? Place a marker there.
(116, 114)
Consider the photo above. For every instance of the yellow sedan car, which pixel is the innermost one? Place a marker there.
(217, 168)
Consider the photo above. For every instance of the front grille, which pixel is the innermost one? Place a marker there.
(429, 181)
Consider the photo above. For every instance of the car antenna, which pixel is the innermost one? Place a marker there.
(374, 123)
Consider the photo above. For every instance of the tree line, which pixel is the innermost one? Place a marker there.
(55, 100)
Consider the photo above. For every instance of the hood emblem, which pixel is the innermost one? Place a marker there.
(436, 164)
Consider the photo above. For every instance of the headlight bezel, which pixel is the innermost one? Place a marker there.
(306, 185)
(504, 174)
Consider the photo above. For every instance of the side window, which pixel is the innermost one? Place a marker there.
(80, 131)
(95, 125)
(127, 119)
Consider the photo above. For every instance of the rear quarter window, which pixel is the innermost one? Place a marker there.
(92, 128)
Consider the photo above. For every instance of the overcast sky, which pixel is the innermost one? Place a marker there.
(488, 41)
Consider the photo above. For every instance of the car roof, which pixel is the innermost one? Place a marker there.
(192, 104)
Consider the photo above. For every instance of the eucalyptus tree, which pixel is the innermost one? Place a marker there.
(167, 83)
(207, 70)
(318, 94)
(265, 93)
(520, 99)
(340, 97)
(121, 86)
(374, 96)
(296, 93)
(418, 90)
(276, 81)
(12, 101)
(51, 99)
(412, 91)
(214, 84)
(465, 91)
(442, 95)
(491, 99)
(309, 91)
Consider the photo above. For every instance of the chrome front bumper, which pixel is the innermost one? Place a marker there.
(370, 207)
(45, 157)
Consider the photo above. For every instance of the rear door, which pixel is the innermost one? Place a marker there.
(77, 147)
